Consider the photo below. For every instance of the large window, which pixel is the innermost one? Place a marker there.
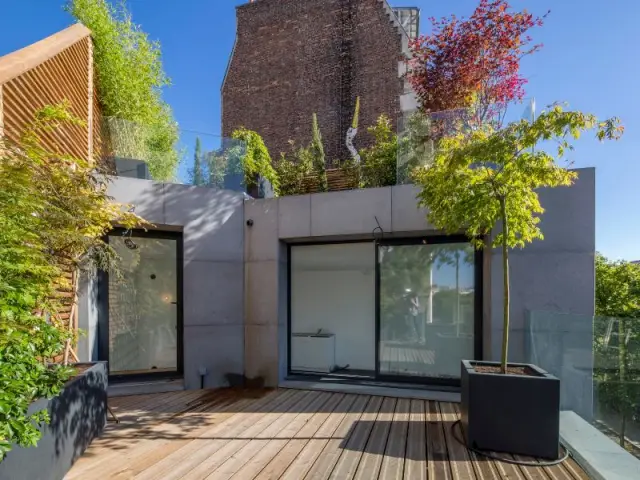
(333, 308)
(427, 308)
(412, 314)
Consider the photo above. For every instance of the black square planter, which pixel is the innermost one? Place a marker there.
(78, 415)
(517, 414)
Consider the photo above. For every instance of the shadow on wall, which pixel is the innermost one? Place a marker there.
(213, 284)
(209, 217)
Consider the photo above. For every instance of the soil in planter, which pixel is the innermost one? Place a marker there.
(529, 372)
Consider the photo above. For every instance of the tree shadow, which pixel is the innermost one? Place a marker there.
(77, 416)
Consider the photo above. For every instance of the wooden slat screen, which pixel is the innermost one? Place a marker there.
(63, 77)
(55, 69)
(338, 179)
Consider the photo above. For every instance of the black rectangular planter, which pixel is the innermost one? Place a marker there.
(77, 416)
(517, 414)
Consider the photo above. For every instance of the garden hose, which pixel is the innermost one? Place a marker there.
(523, 463)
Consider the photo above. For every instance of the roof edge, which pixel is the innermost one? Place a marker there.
(20, 61)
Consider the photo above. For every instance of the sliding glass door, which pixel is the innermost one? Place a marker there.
(427, 308)
(142, 329)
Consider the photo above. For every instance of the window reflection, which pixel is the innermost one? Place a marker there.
(426, 308)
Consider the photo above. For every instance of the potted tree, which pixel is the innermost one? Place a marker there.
(480, 179)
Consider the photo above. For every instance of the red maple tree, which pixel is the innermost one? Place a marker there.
(473, 62)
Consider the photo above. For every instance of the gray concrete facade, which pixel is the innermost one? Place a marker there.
(211, 222)
(556, 274)
(235, 274)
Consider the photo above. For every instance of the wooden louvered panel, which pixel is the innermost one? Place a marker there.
(64, 76)
(338, 179)
(55, 69)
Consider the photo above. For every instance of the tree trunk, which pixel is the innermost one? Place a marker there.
(505, 276)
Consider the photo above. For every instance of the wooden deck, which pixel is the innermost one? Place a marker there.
(290, 434)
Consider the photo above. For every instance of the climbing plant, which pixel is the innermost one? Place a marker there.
(256, 161)
(54, 212)
(129, 79)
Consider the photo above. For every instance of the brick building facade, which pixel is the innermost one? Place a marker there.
(293, 58)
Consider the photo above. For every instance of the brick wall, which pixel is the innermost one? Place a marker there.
(296, 57)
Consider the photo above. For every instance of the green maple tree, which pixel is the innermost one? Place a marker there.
(485, 177)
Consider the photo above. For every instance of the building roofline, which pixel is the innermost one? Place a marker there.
(20, 61)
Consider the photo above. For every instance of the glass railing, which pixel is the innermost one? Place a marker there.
(419, 133)
(181, 156)
(597, 360)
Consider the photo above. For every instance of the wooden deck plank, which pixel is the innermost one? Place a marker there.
(574, 469)
(313, 448)
(258, 436)
(294, 434)
(326, 462)
(224, 445)
(437, 456)
(484, 467)
(371, 461)
(350, 458)
(415, 466)
(531, 473)
(189, 456)
(281, 462)
(393, 463)
(558, 472)
(124, 441)
(180, 433)
(459, 459)
(508, 470)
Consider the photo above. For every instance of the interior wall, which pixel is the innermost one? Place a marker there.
(333, 290)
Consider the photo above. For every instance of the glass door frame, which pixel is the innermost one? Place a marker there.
(477, 304)
(103, 308)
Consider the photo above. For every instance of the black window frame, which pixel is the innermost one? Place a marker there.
(103, 308)
(417, 240)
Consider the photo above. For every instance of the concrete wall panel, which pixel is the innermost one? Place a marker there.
(294, 216)
(213, 293)
(146, 196)
(218, 348)
(261, 352)
(405, 214)
(350, 212)
(261, 239)
(262, 293)
(212, 221)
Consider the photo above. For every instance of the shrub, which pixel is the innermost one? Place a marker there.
(294, 170)
(379, 162)
(130, 78)
(54, 211)
(256, 161)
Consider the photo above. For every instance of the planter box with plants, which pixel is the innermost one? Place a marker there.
(77, 416)
(518, 412)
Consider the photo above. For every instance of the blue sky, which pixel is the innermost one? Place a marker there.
(589, 60)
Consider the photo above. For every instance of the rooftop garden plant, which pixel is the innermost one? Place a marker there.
(130, 78)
